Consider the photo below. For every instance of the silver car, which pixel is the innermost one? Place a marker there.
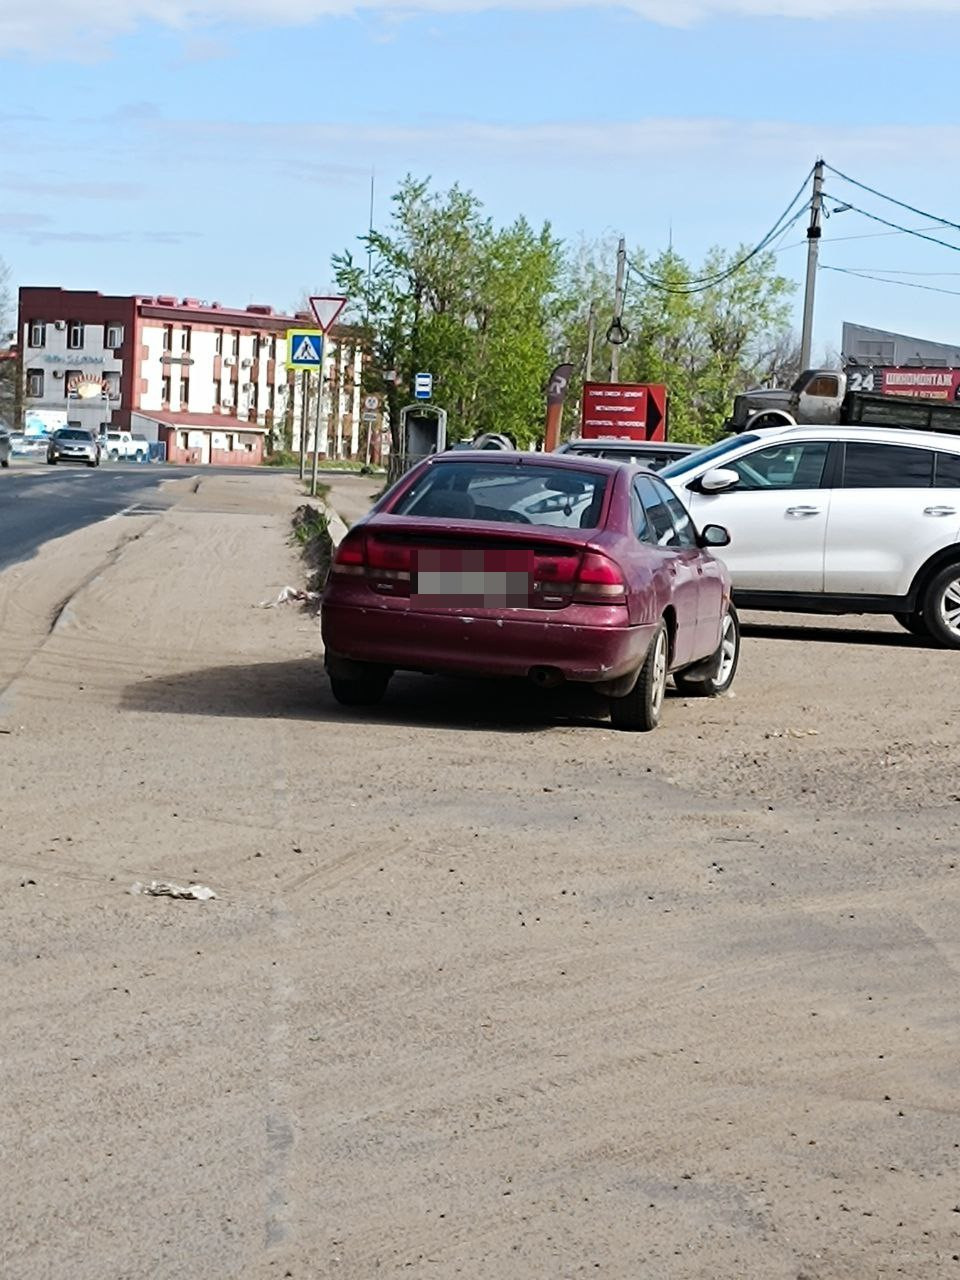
(73, 444)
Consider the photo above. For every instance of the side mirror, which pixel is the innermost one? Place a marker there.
(714, 535)
(718, 480)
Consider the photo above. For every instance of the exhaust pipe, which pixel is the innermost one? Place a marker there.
(545, 677)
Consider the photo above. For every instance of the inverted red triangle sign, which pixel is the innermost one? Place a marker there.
(326, 310)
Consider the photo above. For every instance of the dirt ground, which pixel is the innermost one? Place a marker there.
(487, 989)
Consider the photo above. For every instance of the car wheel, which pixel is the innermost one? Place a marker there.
(114, 456)
(724, 663)
(4, 462)
(641, 708)
(940, 607)
(363, 688)
(51, 462)
(138, 456)
(914, 623)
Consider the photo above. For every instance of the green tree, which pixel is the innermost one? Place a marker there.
(707, 333)
(9, 369)
(449, 292)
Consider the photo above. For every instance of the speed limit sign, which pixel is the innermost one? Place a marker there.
(371, 403)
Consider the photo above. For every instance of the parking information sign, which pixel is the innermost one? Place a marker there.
(423, 386)
(304, 349)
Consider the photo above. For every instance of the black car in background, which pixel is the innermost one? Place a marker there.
(649, 453)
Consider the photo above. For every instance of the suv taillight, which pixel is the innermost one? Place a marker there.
(599, 580)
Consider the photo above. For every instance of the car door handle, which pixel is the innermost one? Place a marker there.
(939, 511)
(803, 511)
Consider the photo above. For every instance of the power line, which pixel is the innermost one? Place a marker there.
(904, 284)
(869, 235)
(875, 217)
(700, 284)
(944, 222)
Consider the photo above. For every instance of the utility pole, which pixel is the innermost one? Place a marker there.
(591, 335)
(814, 232)
(304, 419)
(618, 310)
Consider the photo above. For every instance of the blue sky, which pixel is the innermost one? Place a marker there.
(225, 155)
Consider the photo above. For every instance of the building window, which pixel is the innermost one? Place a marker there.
(113, 336)
(69, 382)
(184, 440)
(185, 339)
(34, 382)
(111, 386)
(235, 343)
(271, 398)
(168, 337)
(165, 390)
(218, 342)
(75, 335)
(184, 391)
(217, 393)
(230, 443)
(38, 334)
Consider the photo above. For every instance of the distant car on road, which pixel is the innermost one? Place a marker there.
(537, 566)
(124, 444)
(648, 453)
(73, 444)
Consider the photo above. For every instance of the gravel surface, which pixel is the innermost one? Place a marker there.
(487, 989)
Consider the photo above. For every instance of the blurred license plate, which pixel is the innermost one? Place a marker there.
(479, 579)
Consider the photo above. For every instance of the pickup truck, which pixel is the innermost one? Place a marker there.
(825, 397)
(123, 444)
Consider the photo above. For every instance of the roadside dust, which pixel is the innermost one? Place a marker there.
(487, 989)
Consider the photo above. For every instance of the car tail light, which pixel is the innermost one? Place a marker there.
(599, 580)
(386, 566)
(389, 566)
(554, 575)
(351, 557)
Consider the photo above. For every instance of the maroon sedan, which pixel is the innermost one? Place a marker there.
(548, 567)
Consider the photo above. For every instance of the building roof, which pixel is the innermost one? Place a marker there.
(200, 421)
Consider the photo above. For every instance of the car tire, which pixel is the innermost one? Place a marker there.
(138, 456)
(363, 688)
(114, 456)
(940, 607)
(4, 462)
(727, 659)
(642, 707)
(51, 462)
(914, 623)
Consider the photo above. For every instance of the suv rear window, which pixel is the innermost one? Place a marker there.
(886, 466)
(560, 497)
(71, 433)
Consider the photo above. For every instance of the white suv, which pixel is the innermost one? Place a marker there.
(842, 519)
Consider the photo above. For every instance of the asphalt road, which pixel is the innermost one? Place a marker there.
(38, 502)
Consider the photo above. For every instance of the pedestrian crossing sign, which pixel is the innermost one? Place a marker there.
(304, 348)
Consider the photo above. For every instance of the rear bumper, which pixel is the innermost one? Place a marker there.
(459, 644)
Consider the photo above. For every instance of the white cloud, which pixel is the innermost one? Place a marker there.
(84, 28)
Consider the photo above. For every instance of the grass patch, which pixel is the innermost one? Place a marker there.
(312, 535)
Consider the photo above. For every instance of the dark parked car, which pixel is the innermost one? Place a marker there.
(6, 446)
(539, 566)
(73, 444)
(648, 453)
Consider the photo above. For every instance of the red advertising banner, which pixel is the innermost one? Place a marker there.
(929, 384)
(624, 411)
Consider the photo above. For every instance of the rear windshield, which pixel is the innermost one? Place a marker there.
(68, 433)
(683, 465)
(556, 496)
